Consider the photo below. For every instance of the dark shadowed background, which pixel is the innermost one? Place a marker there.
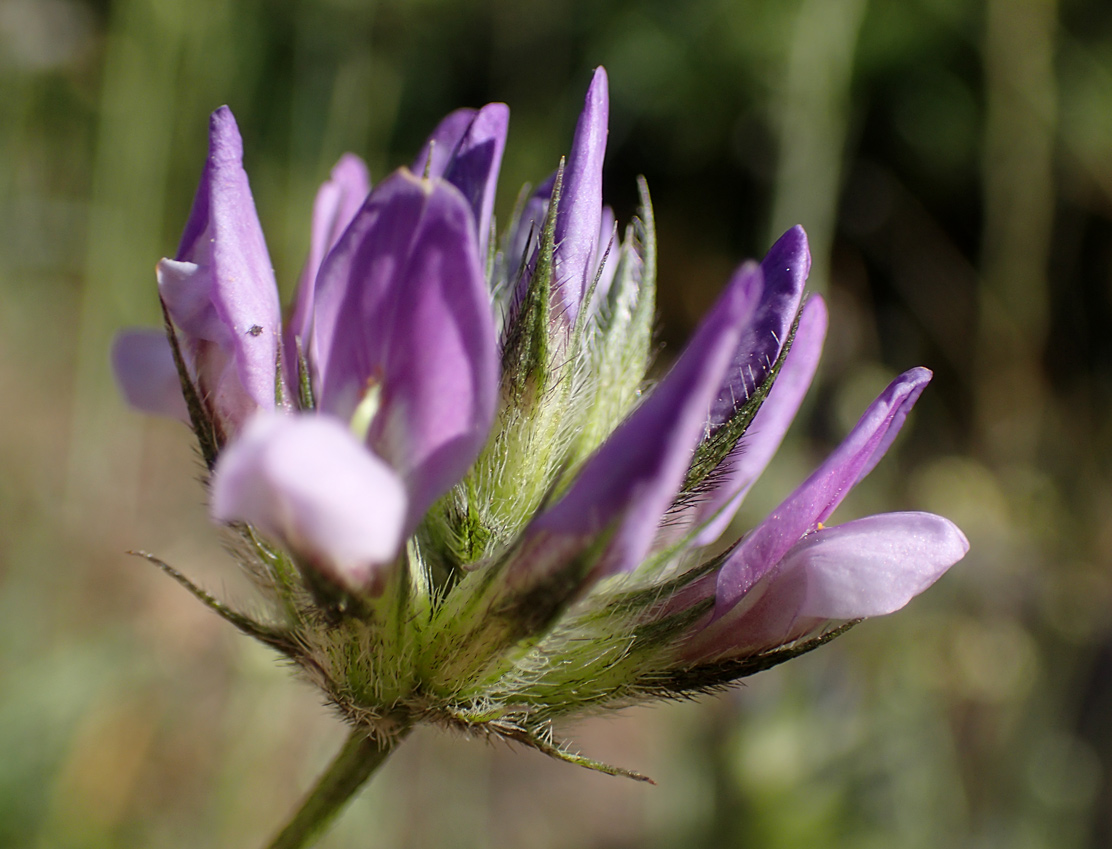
(952, 163)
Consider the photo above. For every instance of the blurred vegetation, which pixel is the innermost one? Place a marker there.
(952, 162)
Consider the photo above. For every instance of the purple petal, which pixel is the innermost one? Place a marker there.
(580, 213)
(146, 373)
(785, 270)
(473, 168)
(636, 473)
(402, 306)
(306, 481)
(336, 203)
(442, 144)
(525, 236)
(748, 460)
(822, 492)
(868, 567)
(529, 226)
(221, 291)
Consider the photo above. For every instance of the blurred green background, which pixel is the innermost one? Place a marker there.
(952, 163)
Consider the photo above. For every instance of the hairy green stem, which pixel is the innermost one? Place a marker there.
(356, 762)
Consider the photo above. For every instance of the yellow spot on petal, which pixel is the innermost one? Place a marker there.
(367, 408)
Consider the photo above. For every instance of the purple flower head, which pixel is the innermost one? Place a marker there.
(452, 478)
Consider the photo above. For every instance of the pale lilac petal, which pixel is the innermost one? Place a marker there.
(868, 567)
(872, 566)
(221, 291)
(605, 260)
(822, 492)
(606, 226)
(785, 269)
(635, 474)
(335, 205)
(580, 213)
(212, 362)
(402, 306)
(186, 289)
(474, 166)
(306, 481)
(745, 464)
(146, 374)
(442, 143)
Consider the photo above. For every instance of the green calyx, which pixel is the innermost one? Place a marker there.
(564, 390)
(484, 623)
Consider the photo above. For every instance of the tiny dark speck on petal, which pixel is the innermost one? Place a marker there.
(255, 330)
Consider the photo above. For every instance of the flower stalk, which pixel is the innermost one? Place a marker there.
(354, 764)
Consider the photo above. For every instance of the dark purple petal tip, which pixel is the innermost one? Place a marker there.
(785, 269)
(745, 464)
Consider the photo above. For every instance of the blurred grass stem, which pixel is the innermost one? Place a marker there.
(356, 762)
(813, 117)
(137, 106)
(1019, 190)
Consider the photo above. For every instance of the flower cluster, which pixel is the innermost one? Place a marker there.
(448, 471)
